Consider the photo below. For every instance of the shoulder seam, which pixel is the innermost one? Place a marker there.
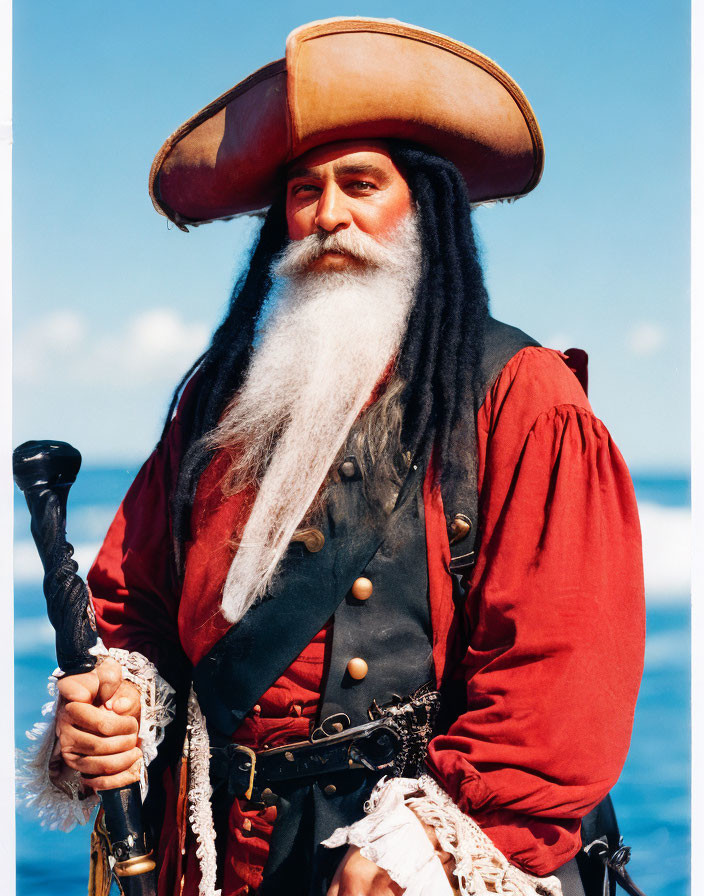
(568, 406)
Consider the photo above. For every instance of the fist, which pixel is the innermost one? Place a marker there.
(97, 726)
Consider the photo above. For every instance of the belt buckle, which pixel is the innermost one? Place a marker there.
(252, 757)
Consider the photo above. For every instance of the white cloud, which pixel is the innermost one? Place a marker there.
(154, 346)
(51, 340)
(646, 339)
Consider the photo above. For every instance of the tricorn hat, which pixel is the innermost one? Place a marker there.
(350, 79)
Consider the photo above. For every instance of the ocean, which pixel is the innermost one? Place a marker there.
(651, 797)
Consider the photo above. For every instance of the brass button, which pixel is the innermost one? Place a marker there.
(362, 588)
(256, 709)
(348, 469)
(357, 668)
(313, 539)
(330, 790)
(459, 528)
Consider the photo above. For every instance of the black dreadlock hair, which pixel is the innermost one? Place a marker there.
(438, 361)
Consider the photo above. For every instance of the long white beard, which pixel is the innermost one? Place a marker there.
(325, 344)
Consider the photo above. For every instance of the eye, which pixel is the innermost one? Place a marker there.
(304, 189)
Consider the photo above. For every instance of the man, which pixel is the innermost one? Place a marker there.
(300, 546)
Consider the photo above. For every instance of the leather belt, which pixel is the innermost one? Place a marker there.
(394, 741)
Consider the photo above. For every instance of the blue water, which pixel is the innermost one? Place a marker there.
(651, 798)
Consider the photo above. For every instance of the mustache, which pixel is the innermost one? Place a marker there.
(295, 259)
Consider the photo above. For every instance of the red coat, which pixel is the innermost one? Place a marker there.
(555, 621)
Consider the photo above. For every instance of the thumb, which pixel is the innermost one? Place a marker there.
(127, 700)
(110, 677)
(82, 688)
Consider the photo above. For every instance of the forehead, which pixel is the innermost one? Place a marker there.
(344, 153)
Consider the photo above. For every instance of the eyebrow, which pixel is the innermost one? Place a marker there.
(339, 170)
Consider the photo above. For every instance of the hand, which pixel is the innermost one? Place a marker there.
(357, 876)
(97, 725)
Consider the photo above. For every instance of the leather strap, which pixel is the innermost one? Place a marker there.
(459, 492)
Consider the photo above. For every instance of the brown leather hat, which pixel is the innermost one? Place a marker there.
(347, 79)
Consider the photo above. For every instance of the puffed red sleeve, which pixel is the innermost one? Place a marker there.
(555, 619)
(133, 581)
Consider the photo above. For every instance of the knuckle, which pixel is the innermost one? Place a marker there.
(136, 754)
(110, 671)
(104, 726)
(73, 711)
(133, 693)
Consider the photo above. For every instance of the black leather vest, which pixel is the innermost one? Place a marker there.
(390, 630)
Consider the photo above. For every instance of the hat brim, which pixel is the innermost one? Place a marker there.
(348, 79)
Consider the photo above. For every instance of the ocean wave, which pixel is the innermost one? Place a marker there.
(28, 567)
(32, 635)
(663, 650)
(666, 549)
(89, 522)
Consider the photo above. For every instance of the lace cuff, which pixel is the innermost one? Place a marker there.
(391, 836)
(53, 791)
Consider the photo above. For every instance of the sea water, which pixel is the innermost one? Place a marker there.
(651, 797)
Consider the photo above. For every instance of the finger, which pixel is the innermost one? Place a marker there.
(75, 740)
(102, 765)
(111, 782)
(81, 688)
(126, 701)
(98, 720)
(110, 675)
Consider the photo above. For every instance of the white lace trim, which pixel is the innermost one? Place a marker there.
(391, 836)
(157, 699)
(53, 791)
(59, 802)
(200, 813)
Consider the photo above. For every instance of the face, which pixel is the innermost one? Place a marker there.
(345, 185)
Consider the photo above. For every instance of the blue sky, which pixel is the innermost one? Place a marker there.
(110, 306)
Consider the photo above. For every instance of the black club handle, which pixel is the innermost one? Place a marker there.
(44, 472)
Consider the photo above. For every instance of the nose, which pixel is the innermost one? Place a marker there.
(332, 213)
